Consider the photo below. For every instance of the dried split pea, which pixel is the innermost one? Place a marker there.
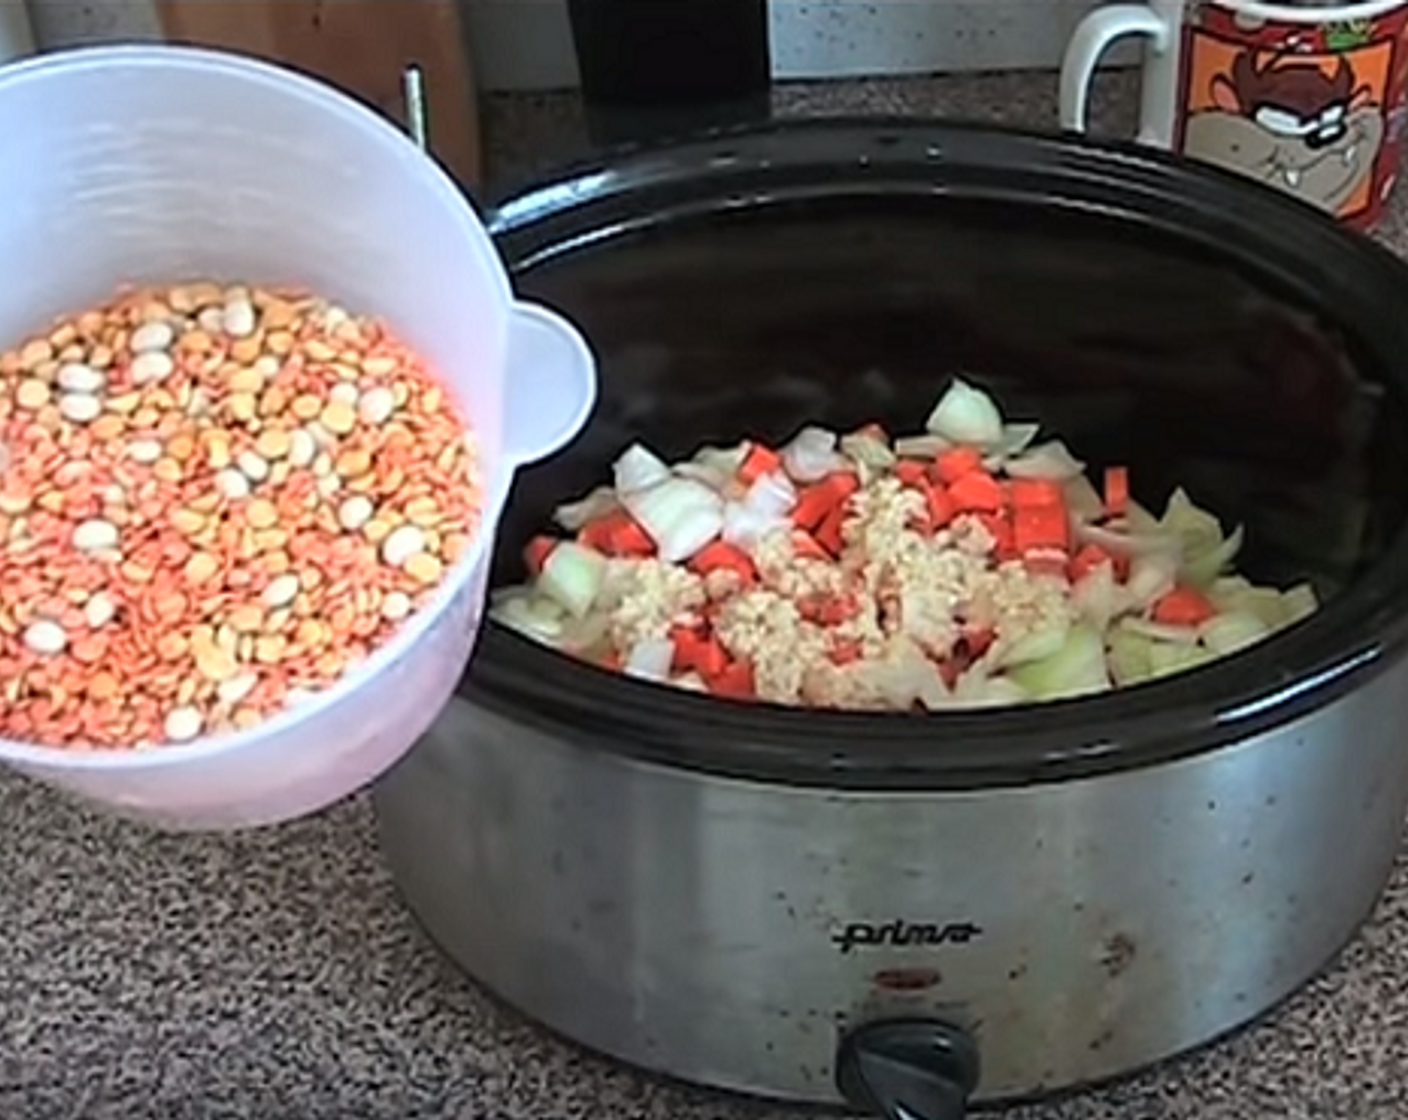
(214, 499)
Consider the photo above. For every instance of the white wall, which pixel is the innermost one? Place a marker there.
(527, 44)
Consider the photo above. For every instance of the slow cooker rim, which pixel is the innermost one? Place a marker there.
(1355, 634)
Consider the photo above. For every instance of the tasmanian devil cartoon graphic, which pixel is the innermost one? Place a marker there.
(1294, 124)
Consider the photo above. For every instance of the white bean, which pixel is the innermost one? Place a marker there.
(152, 366)
(302, 448)
(95, 535)
(237, 688)
(401, 544)
(144, 450)
(376, 406)
(355, 512)
(99, 610)
(253, 465)
(396, 606)
(45, 638)
(182, 724)
(75, 377)
(281, 591)
(232, 483)
(238, 319)
(79, 408)
(155, 335)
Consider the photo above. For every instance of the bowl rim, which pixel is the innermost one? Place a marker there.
(495, 477)
(1351, 638)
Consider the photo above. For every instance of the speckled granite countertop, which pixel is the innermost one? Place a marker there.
(276, 975)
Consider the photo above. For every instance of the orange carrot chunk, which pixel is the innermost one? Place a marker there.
(999, 527)
(1086, 560)
(537, 552)
(953, 464)
(1035, 493)
(976, 492)
(844, 651)
(722, 556)
(734, 682)
(1116, 491)
(805, 546)
(616, 534)
(1040, 527)
(758, 460)
(828, 533)
(911, 472)
(1183, 606)
(941, 507)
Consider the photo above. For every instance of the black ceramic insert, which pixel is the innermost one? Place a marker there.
(1204, 331)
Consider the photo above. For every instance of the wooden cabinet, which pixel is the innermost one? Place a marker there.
(363, 46)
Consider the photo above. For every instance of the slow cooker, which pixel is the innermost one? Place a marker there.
(911, 914)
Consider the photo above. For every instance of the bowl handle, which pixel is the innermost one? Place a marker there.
(551, 385)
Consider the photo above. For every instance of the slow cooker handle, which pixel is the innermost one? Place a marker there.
(908, 1069)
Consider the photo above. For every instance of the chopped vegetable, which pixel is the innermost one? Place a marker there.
(969, 566)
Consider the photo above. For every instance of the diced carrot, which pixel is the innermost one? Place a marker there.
(734, 682)
(1116, 490)
(805, 546)
(911, 472)
(1183, 606)
(976, 491)
(536, 554)
(1087, 558)
(953, 464)
(1040, 527)
(828, 533)
(612, 661)
(1035, 493)
(758, 460)
(844, 651)
(941, 508)
(722, 556)
(1000, 528)
(616, 534)
(817, 501)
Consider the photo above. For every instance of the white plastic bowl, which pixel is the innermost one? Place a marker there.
(155, 164)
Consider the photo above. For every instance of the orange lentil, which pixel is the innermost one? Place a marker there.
(214, 434)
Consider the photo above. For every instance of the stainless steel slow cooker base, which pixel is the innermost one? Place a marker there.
(732, 933)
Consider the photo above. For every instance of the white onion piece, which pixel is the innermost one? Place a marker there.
(1233, 631)
(1097, 597)
(1016, 438)
(1167, 658)
(1048, 461)
(710, 475)
(690, 682)
(1139, 520)
(572, 575)
(771, 493)
(1128, 544)
(1201, 569)
(966, 415)
(598, 503)
(639, 468)
(1083, 501)
(867, 450)
(533, 615)
(1035, 646)
(1151, 576)
(1160, 631)
(921, 447)
(811, 455)
(681, 515)
(1300, 602)
(650, 660)
(745, 526)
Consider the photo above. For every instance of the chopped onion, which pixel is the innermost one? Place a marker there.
(811, 455)
(1129, 543)
(966, 415)
(639, 468)
(598, 503)
(1015, 439)
(1082, 499)
(572, 576)
(1167, 658)
(1232, 631)
(921, 447)
(650, 659)
(1160, 631)
(1077, 669)
(1097, 597)
(868, 452)
(690, 682)
(681, 515)
(975, 689)
(716, 467)
(1238, 595)
(746, 526)
(1151, 576)
(587, 636)
(1300, 601)
(1129, 659)
(532, 615)
(1199, 530)
(1035, 646)
(771, 494)
(1200, 569)
(1049, 460)
(710, 476)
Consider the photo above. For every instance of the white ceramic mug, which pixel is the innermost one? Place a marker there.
(1309, 100)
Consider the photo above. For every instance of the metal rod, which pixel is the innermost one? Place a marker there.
(413, 91)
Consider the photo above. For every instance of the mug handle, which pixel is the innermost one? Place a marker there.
(1094, 35)
(551, 386)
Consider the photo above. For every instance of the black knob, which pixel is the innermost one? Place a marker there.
(908, 1069)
